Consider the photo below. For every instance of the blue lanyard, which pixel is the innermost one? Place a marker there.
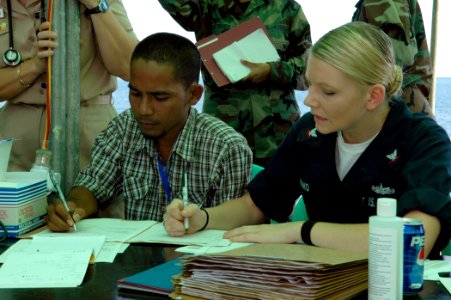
(164, 177)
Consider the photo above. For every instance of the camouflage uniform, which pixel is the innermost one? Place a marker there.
(263, 112)
(403, 22)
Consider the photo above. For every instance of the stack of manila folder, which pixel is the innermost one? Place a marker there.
(273, 271)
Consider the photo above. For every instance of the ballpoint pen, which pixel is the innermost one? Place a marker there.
(185, 198)
(61, 195)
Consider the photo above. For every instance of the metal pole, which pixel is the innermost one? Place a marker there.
(435, 7)
(58, 104)
(65, 99)
(72, 92)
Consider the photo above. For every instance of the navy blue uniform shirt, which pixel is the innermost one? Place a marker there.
(409, 160)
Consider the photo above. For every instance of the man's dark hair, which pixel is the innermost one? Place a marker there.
(172, 49)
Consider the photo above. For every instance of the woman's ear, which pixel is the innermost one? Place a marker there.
(376, 96)
(195, 91)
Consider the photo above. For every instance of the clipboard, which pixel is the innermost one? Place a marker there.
(213, 43)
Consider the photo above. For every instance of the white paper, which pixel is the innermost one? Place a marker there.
(446, 282)
(229, 61)
(107, 253)
(114, 230)
(199, 250)
(63, 242)
(110, 250)
(433, 267)
(255, 47)
(19, 246)
(157, 234)
(123, 247)
(37, 269)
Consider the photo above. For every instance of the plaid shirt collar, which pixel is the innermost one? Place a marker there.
(182, 145)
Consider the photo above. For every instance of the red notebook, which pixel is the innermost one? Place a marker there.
(214, 43)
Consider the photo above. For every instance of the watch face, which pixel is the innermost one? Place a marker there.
(103, 5)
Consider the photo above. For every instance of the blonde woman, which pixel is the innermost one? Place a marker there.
(358, 143)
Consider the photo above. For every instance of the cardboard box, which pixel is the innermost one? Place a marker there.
(23, 218)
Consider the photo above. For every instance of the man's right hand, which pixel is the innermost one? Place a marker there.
(58, 219)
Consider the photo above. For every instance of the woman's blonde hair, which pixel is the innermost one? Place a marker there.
(363, 52)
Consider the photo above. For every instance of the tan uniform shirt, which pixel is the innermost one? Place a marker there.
(96, 87)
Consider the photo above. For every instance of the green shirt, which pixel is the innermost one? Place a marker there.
(264, 112)
(403, 22)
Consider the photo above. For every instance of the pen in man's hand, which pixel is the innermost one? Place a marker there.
(185, 198)
(61, 195)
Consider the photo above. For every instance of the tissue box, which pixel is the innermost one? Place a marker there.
(23, 201)
(20, 219)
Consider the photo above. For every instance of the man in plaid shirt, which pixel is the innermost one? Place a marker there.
(144, 152)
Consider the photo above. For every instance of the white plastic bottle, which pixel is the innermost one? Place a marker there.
(385, 252)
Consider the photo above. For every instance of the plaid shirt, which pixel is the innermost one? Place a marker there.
(216, 158)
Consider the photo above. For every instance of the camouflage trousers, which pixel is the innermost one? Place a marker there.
(262, 120)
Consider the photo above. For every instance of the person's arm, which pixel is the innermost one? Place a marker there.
(410, 46)
(431, 226)
(82, 203)
(417, 83)
(242, 211)
(349, 237)
(98, 183)
(290, 69)
(115, 43)
(29, 70)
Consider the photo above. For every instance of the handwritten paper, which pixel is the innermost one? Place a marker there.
(110, 250)
(62, 242)
(19, 246)
(37, 269)
(157, 234)
(114, 230)
(128, 231)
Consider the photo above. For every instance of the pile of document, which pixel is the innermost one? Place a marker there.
(273, 271)
(60, 259)
(23, 201)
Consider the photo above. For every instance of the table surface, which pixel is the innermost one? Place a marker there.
(100, 281)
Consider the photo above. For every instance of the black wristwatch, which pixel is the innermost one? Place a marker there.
(101, 8)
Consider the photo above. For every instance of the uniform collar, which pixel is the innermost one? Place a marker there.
(398, 111)
(309, 135)
(386, 151)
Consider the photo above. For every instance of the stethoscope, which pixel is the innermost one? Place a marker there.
(12, 57)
